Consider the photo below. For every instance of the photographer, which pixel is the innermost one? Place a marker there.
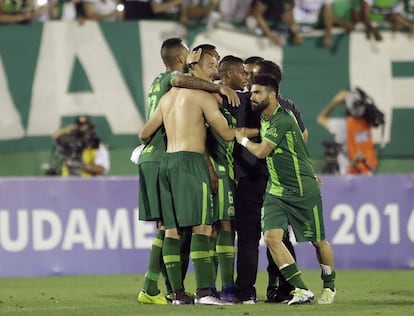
(80, 150)
(352, 135)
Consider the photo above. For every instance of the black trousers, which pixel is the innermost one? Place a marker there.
(249, 200)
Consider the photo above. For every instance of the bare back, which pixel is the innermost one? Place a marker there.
(183, 118)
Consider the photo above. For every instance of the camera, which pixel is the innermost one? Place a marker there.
(360, 105)
(332, 150)
(69, 146)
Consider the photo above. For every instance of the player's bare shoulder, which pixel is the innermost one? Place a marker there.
(209, 101)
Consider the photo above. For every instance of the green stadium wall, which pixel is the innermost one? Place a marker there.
(51, 72)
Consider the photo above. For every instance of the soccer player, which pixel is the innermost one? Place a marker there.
(251, 174)
(233, 75)
(293, 194)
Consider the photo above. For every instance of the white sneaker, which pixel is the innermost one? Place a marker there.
(327, 296)
(210, 300)
(301, 296)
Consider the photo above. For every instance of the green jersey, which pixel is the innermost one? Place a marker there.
(220, 150)
(156, 147)
(291, 173)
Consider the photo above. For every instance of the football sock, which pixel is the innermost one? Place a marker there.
(225, 253)
(328, 277)
(154, 265)
(171, 255)
(203, 266)
(213, 255)
(292, 275)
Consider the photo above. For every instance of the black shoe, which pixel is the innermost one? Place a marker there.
(181, 298)
(275, 295)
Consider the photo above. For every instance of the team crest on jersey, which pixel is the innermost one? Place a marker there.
(272, 132)
(230, 211)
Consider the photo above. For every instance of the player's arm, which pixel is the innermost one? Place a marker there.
(218, 122)
(151, 126)
(273, 136)
(191, 82)
(260, 150)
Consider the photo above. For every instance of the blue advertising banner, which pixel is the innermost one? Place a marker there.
(369, 220)
(55, 226)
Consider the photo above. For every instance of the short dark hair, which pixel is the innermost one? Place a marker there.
(170, 49)
(204, 47)
(271, 68)
(229, 61)
(208, 49)
(268, 81)
(253, 59)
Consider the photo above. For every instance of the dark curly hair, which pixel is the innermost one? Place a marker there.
(372, 114)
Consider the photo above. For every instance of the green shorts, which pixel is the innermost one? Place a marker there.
(185, 191)
(149, 204)
(223, 200)
(304, 215)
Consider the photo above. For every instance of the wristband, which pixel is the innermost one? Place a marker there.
(244, 141)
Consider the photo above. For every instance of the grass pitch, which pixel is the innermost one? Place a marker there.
(359, 292)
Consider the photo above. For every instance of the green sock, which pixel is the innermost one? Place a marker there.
(154, 265)
(167, 281)
(213, 255)
(171, 255)
(203, 266)
(328, 280)
(225, 253)
(292, 275)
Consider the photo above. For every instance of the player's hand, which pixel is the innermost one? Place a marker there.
(239, 135)
(231, 95)
(213, 181)
(194, 57)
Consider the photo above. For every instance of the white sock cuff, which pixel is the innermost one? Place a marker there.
(326, 270)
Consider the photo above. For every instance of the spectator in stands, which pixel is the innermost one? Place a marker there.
(315, 14)
(266, 17)
(100, 10)
(390, 11)
(65, 10)
(16, 11)
(231, 11)
(82, 153)
(196, 10)
(150, 9)
(357, 154)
